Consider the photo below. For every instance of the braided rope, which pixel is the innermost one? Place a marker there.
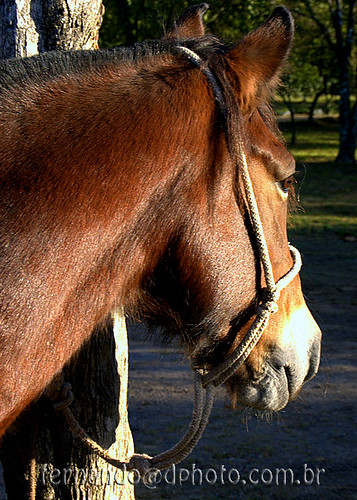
(62, 397)
(139, 462)
(198, 424)
(205, 70)
(204, 384)
(220, 373)
(256, 222)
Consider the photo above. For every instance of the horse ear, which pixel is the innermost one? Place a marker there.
(258, 58)
(190, 24)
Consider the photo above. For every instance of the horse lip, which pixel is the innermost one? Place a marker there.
(274, 394)
(278, 383)
(268, 392)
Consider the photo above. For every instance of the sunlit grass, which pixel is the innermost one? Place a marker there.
(326, 105)
(314, 225)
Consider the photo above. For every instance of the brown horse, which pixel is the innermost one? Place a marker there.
(118, 189)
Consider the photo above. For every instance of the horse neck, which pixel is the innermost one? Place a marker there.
(168, 169)
(154, 159)
(122, 152)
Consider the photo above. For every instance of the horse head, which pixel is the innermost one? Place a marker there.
(214, 294)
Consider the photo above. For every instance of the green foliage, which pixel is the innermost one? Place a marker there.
(314, 59)
(234, 19)
(129, 21)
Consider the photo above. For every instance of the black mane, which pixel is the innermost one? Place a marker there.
(39, 68)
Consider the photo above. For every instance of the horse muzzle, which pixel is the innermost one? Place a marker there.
(277, 377)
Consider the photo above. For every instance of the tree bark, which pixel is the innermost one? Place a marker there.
(29, 27)
(39, 455)
(347, 116)
(347, 119)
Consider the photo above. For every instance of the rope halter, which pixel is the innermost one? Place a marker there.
(219, 374)
(205, 382)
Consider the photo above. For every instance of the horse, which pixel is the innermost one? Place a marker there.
(119, 189)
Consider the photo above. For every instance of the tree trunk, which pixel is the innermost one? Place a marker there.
(40, 445)
(347, 118)
(312, 107)
(29, 27)
(39, 455)
(317, 96)
(343, 22)
(347, 121)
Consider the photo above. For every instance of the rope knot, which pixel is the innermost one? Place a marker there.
(271, 307)
(268, 302)
(60, 393)
(140, 463)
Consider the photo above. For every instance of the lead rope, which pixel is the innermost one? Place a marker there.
(204, 383)
(62, 397)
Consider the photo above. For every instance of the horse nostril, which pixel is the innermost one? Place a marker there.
(289, 378)
(314, 366)
(282, 368)
(314, 361)
(279, 359)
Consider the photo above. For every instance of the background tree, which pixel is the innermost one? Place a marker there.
(39, 446)
(332, 24)
(127, 21)
(309, 75)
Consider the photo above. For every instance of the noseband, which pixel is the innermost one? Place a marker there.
(206, 381)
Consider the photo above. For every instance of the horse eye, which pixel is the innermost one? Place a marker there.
(288, 184)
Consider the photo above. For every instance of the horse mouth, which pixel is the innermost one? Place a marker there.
(271, 392)
(273, 389)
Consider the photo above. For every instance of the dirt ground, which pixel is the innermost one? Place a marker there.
(313, 439)
(238, 457)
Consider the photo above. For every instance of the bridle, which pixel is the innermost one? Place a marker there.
(220, 373)
(205, 382)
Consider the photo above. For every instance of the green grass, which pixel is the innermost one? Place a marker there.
(329, 191)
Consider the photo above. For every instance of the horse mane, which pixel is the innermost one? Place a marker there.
(41, 67)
